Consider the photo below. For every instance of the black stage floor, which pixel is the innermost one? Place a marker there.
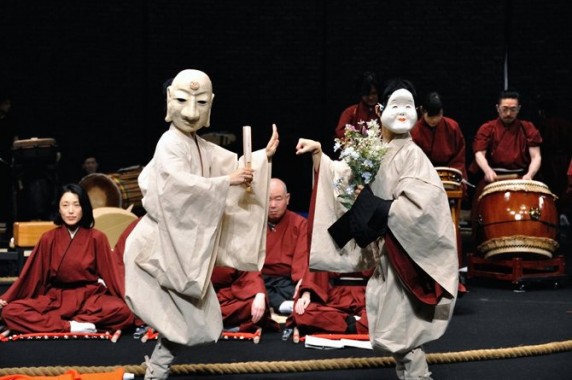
(493, 315)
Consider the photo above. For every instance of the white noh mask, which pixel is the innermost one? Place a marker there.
(399, 115)
(189, 101)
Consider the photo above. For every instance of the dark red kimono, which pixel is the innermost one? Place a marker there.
(333, 300)
(354, 115)
(287, 247)
(235, 291)
(61, 281)
(444, 144)
(506, 146)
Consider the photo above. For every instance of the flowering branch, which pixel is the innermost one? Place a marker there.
(362, 150)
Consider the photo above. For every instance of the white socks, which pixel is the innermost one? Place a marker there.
(82, 327)
(286, 307)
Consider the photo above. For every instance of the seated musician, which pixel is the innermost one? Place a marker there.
(286, 249)
(243, 300)
(506, 143)
(71, 282)
(442, 140)
(440, 137)
(331, 302)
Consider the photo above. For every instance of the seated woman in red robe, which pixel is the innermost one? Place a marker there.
(243, 300)
(71, 282)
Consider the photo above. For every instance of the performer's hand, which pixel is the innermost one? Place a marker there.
(527, 177)
(258, 307)
(302, 303)
(490, 175)
(241, 176)
(3, 303)
(358, 190)
(273, 143)
(307, 145)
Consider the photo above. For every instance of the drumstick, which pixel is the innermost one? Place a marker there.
(504, 177)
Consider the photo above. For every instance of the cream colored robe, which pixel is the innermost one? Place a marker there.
(194, 219)
(421, 221)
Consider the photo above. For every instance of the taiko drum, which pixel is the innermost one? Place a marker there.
(119, 189)
(517, 218)
(452, 178)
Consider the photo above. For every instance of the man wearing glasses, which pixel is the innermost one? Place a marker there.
(507, 144)
(505, 148)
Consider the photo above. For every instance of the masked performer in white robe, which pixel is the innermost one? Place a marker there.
(199, 212)
(401, 224)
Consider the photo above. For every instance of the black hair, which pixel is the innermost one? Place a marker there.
(367, 80)
(509, 94)
(87, 219)
(393, 85)
(89, 155)
(432, 104)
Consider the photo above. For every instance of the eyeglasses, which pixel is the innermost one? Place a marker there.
(508, 109)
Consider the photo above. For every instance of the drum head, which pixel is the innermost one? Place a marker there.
(516, 185)
(35, 151)
(112, 221)
(453, 171)
(451, 177)
(102, 190)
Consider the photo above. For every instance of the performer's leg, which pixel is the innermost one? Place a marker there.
(160, 362)
(412, 365)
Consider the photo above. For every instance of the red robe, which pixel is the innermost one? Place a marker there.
(506, 147)
(235, 291)
(444, 144)
(59, 283)
(355, 114)
(287, 247)
(331, 304)
(119, 250)
(569, 174)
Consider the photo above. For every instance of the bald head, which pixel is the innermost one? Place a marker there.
(278, 200)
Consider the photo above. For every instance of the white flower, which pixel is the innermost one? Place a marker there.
(362, 150)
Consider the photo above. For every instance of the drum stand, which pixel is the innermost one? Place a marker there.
(516, 270)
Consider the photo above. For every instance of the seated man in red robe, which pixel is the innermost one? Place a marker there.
(504, 148)
(440, 137)
(242, 298)
(331, 303)
(442, 140)
(286, 249)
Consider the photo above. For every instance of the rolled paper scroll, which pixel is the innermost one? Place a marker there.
(247, 149)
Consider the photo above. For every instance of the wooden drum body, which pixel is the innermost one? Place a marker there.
(517, 218)
(119, 189)
(35, 151)
(451, 177)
